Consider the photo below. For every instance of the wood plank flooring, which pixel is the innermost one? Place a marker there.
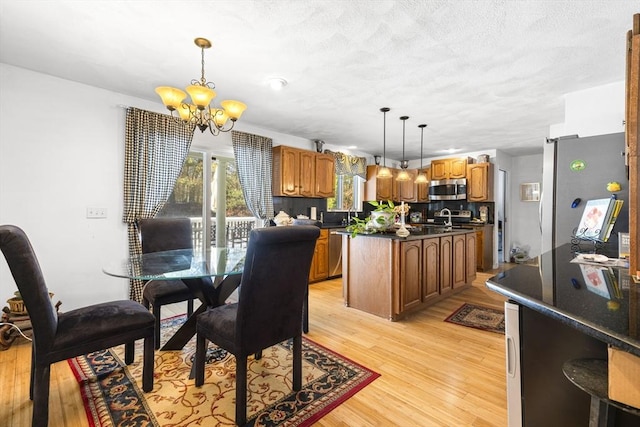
(433, 373)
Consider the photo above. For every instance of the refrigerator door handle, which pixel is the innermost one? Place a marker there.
(540, 211)
(511, 352)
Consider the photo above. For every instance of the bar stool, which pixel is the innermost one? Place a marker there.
(592, 377)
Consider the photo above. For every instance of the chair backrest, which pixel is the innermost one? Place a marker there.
(26, 272)
(273, 285)
(165, 234)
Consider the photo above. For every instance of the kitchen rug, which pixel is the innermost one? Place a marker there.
(479, 317)
(113, 395)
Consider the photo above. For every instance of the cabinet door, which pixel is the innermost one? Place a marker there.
(440, 169)
(289, 171)
(376, 188)
(430, 268)
(480, 250)
(479, 182)
(423, 189)
(325, 176)
(320, 263)
(458, 168)
(446, 264)
(459, 261)
(410, 274)
(406, 191)
(307, 173)
(471, 256)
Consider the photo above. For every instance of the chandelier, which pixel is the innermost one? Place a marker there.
(403, 175)
(199, 112)
(422, 178)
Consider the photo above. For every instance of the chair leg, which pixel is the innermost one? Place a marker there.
(129, 352)
(305, 312)
(33, 370)
(201, 353)
(156, 313)
(241, 390)
(189, 307)
(42, 376)
(297, 362)
(148, 364)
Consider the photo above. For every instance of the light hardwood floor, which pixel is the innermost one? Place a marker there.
(433, 373)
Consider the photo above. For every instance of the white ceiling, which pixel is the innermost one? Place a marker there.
(482, 74)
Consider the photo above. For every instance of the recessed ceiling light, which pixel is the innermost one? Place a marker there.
(277, 83)
(352, 147)
(451, 150)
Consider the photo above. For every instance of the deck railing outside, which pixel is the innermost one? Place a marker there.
(236, 231)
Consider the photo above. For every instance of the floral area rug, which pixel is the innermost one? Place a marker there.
(479, 317)
(113, 394)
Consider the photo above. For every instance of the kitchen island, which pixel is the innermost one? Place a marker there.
(391, 276)
(558, 311)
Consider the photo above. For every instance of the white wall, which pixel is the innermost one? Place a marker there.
(61, 151)
(525, 216)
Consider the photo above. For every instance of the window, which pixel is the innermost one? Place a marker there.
(349, 192)
(201, 198)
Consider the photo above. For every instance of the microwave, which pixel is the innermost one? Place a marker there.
(448, 189)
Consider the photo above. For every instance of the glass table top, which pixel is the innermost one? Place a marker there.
(179, 264)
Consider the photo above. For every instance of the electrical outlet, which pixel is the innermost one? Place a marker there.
(96, 212)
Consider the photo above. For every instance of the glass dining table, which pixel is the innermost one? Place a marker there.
(212, 276)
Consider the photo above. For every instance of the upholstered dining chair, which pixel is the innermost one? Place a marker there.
(269, 308)
(60, 336)
(165, 234)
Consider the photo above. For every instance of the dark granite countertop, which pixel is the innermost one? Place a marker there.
(416, 232)
(556, 287)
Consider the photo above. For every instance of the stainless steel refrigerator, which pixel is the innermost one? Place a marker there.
(580, 168)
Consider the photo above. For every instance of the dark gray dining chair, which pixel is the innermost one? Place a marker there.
(269, 308)
(165, 234)
(60, 336)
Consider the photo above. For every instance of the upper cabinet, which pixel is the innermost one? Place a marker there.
(302, 173)
(377, 188)
(405, 191)
(480, 182)
(449, 168)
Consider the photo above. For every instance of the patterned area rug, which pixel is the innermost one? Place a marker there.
(113, 394)
(479, 317)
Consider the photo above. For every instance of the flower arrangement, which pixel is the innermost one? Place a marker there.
(381, 218)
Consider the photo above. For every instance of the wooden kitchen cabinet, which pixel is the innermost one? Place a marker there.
(484, 248)
(405, 191)
(452, 168)
(480, 182)
(459, 245)
(376, 188)
(302, 173)
(470, 257)
(410, 274)
(430, 268)
(391, 277)
(446, 264)
(320, 263)
(423, 189)
(325, 173)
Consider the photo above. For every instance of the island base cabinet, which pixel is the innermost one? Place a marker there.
(391, 277)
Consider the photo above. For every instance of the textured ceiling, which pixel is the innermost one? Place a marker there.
(481, 74)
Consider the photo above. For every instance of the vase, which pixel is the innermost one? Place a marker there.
(402, 231)
(382, 220)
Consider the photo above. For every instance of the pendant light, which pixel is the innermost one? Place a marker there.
(422, 178)
(384, 171)
(403, 175)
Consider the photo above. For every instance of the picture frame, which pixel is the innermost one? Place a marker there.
(530, 192)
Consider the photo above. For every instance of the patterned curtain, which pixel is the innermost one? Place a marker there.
(156, 146)
(253, 163)
(349, 165)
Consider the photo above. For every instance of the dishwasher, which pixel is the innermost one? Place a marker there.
(335, 254)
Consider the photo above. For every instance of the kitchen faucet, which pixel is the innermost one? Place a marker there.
(446, 211)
